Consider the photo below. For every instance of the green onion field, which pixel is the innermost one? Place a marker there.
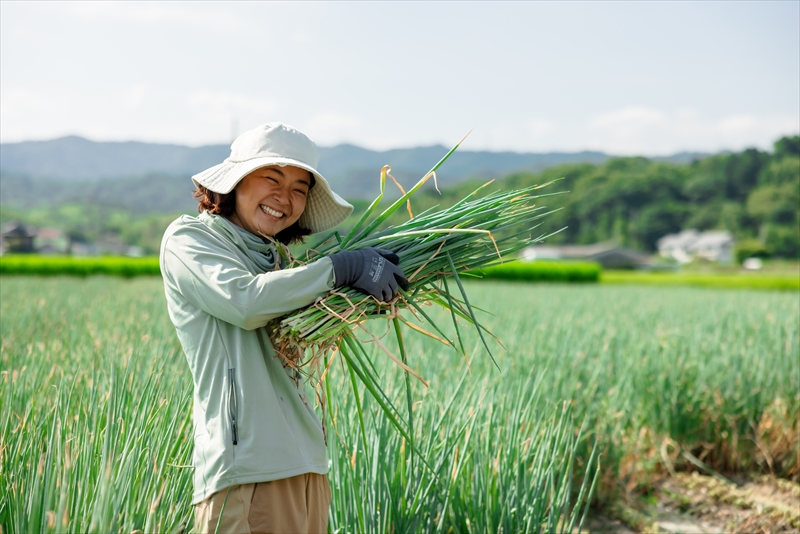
(602, 392)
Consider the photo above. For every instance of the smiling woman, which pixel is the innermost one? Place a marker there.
(259, 449)
(271, 199)
(267, 202)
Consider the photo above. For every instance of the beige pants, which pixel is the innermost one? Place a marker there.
(288, 506)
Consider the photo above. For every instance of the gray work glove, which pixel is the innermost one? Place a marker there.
(373, 271)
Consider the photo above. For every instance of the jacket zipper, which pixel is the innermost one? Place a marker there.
(232, 405)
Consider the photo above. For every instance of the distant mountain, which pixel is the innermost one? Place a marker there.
(139, 195)
(353, 171)
(682, 158)
(77, 159)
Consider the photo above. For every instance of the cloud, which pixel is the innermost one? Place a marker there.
(226, 104)
(16, 103)
(134, 97)
(652, 131)
(636, 130)
(524, 134)
(16, 109)
(189, 14)
(628, 122)
(136, 112)
(151, 113)
(539, 128)
(332, 128)
(230, 101)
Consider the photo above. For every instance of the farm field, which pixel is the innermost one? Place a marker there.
(736, 280)
(667, 390)
(784, 276)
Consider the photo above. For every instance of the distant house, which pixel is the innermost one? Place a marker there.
(113, 245)
(609, 255)
(714, 246)
(79, 248)
(50, 241)
(677, 246)
(106, 245)
(17, 237)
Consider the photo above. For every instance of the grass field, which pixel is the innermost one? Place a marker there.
(96, 400)
(734, 280)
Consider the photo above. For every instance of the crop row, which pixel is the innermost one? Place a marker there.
(95, 405)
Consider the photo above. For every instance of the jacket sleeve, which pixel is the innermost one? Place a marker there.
(208, 276)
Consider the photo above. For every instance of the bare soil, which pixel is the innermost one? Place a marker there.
(698, 504)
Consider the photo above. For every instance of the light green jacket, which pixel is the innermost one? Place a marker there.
(252, 422)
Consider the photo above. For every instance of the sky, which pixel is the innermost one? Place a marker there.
(650, 78)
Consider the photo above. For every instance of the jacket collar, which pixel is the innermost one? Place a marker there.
(263, 254)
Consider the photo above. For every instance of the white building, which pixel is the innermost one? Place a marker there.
(715, 246)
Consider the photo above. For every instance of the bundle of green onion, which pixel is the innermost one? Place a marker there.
(433, 246)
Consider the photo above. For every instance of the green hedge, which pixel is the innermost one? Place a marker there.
(84, 266)
(128, 267)
(732, 281)
(542, 271)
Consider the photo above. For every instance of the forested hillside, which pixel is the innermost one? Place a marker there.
(634, 201)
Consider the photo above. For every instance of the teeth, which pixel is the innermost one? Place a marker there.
(270, 211)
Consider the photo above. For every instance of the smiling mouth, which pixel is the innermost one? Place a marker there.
(270, 211)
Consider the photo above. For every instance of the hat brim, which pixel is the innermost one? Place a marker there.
(324, 208)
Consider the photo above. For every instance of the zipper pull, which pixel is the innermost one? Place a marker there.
(235, 435)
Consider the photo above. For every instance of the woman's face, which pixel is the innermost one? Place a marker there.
(271, 199)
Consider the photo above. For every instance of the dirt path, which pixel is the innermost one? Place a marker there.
(697, 504)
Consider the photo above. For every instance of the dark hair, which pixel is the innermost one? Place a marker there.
(224, 204)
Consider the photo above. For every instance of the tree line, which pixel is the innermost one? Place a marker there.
(633, 201)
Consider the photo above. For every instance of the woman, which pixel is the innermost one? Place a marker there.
(258, 444)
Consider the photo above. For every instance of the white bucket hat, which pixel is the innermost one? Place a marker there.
(275, 143)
